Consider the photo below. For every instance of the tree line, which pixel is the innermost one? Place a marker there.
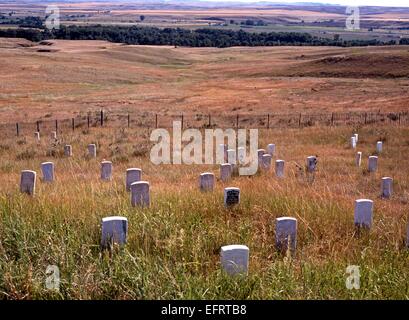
(142, 35)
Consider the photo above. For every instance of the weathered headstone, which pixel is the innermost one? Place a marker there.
(140, 194)
(53, 135)
(379, 146)
(28, 181)
(280, 168)
(372, 163)
(363, 213)
(47, 168)
(260, 154)
(231, 157)
(37, 135)
(114, 231)
(132, 175)
(235, 259)
(106, 170)
(358, 158)
(68, 150)
(311, 163)
(286, 234)
(231, 196)
(266, 158)
(356, 137)
(386, 187)
(271, 149)
(92, 150)
(206, 181)
(226, 170)
(353, 142)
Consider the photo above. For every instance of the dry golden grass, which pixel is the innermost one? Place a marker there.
(76, 77)
(173, 247)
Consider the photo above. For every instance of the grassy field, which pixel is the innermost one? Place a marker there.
(59, 79)
(173, 246)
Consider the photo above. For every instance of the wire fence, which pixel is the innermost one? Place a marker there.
(223, 121)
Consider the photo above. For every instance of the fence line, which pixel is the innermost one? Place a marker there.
(154, 120)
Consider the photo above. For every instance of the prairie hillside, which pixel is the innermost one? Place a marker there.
(61, 78)
(173, 246)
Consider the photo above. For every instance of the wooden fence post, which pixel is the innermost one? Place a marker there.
(73, 124)
(18, 129)
(38, 126)
(102, 118)
(268, 121)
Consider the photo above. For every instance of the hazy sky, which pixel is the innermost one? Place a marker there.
(385, 3)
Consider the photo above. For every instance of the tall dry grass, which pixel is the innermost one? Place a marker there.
(173, 246)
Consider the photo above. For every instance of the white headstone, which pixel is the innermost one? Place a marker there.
(356, 137)
(386, 187)
(140, 194)
(379, 146)
(114, 231)
(92, 150)
(231, 157)
(241, 155)
(353, 142)
(231, 196)
(311, 163)
(37, 135)
(280, 168)
(271, 149)
(260, 153)
(226, 170)
(206, 181)
(132, 175)
(266, 158)
(28, 182)
(106, 170)
(68, 150)
(54, 135)
(372, 163)
(286, 234)
(358, 158)
(235, 259)
(363, 213)
(47, 168)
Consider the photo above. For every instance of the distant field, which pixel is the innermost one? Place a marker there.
(173, 247)
(383, 24)
(60, 78)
